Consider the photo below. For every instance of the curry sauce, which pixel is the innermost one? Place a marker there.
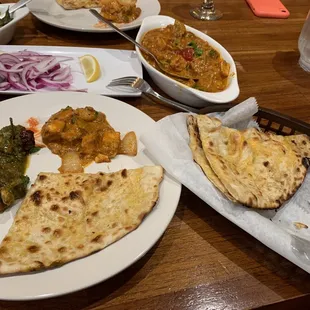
(185, 54)
(80, 136)
(120, 11)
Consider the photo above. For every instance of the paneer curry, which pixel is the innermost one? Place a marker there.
(184, 54)
(80, 136)
(120, 11)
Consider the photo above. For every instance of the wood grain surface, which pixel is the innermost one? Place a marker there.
(203, 261)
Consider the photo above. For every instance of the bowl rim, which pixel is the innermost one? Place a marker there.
(227, 95)
(17, 15)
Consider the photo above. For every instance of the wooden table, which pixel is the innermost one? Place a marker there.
(203, 261)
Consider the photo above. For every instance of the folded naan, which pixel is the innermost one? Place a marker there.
(260, 170)
(78, 4)
(200, 158)
(68, 216)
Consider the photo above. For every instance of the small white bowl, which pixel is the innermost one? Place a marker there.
(177, 90)
(7, 31)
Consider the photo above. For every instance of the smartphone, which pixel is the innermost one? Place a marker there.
(268, 8)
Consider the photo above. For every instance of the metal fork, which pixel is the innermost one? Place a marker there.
(136, 83)
(18, 5)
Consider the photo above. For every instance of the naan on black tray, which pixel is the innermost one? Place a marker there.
(257, 169)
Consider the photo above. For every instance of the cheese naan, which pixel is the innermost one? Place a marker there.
(78, 4)
(68, 216)
(259, 170)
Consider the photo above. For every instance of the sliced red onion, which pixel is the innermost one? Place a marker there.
(14, 78)
(24, 76)
(31, 71)
(62, 74)
(18, 86)
(5, 85)
(44, 63)
(36, 85)
(4, 69)
(4, 74)
(8, 58)
(22, 64)
(51, 83)
(52, 70)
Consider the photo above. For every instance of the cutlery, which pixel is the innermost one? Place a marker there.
(136, 83)
(160, 65)
(18, 5)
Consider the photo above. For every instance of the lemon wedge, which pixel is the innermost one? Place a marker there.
(90, 67)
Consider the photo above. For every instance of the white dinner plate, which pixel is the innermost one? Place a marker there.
(102, 265)
(113, 64)
(50, 12)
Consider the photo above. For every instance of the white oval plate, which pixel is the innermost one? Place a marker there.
(113, 64)
(102, 265)
(50, 12)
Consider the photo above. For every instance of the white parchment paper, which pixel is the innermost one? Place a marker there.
(167, 141)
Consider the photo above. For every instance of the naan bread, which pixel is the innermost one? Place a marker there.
(200, 158)
(68, 216)
(259, 170)
(300, 143)
(78, 4)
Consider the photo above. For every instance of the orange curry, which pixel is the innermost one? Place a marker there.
(82, 135)
(185, 54)
(120, 11)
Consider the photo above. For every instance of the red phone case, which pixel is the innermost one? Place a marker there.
(268, 8)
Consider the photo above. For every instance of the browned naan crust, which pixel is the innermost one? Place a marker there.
(200, 158)
(259, 170)
(78, 4)
(68, 216)
(300, 143)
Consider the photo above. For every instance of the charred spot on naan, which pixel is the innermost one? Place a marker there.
(124, 173)
(76, 195)
(46, 230)
(42, 177)
(97, 239)
(33, 249)
(306, 162)
(54, 208)
(62, 249)
(36, 198)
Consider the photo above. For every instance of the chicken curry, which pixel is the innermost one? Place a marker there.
(120, 11)
(184, 54)
(80, 136)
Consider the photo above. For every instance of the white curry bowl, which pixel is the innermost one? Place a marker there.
(177, 90)
(7, 31)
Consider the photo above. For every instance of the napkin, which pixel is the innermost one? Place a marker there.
(167, 141)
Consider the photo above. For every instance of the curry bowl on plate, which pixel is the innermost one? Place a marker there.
(185, 51)
(7, 27)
